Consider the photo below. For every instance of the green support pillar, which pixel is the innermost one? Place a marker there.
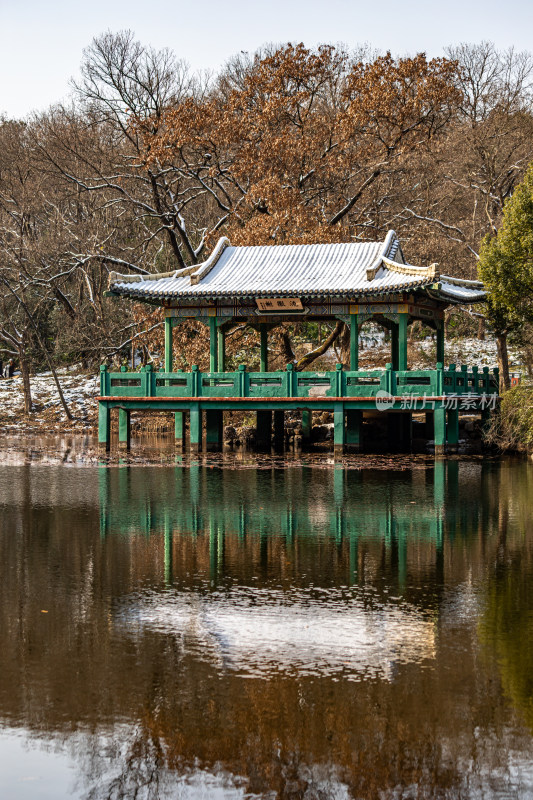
(440, 342)
(439, 430)
(452, 432)
(354, 342)
(213, 345)
(263, 333)
(195, 426)
(168, 344)
(354, 424)
(213, 430)
(402, 342)
(124, 428)
(263, 435)
(338, 429)
(179, 428)
(394, 339)
(307, 424)
(221, 348)
(104, 425)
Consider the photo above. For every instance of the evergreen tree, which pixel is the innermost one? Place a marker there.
(506, 267)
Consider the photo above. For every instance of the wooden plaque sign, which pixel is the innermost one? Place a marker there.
(277, 304)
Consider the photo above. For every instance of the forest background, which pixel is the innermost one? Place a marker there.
(150, 164)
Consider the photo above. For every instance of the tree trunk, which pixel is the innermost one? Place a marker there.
(503, 361)
(481, 329)
(326, 344)
(26, 386)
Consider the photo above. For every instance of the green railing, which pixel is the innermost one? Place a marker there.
(291, 384)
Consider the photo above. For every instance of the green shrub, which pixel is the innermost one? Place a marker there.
(512, 428)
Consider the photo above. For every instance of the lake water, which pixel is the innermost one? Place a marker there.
(307, 630)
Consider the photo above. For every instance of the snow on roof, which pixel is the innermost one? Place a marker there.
(350, 268)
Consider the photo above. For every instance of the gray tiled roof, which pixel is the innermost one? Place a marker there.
(353, 268)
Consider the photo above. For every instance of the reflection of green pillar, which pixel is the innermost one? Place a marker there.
(213, 549)
(213, 429)
(263, 333)
(354, 342)
(439, 484)
(104, 425)
(338, 429)
(307, 423)
(264, 429)
(402, 559)
(439, 426)
(124, 428)
(453, 429)
(103, 492)
(338, 486)
(168, 550)
(195, 429)
(402, 342)
(354, 424)
(354, 557)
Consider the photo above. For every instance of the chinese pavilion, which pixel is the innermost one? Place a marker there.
(266, 286)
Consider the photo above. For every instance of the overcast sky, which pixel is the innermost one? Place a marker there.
(41, 41)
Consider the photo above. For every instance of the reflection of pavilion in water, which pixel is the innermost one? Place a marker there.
(291, 506)
(267, 529)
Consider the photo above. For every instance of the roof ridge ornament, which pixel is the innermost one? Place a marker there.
(204, 269)
(430, 272)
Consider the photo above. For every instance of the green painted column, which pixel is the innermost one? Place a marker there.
(263, 435)
(213, 345)
(168, 344)
(307, 424)
(440, 342)
(338, 429)
(179, 428)
(402, 342)
(124, 428)
(104, 425)
(221, 348)
(354, 424)
(263, 333)
(213, 430)
(394, 338)
(354, 342)
(453, 429)
(439, 430)
(195, 426)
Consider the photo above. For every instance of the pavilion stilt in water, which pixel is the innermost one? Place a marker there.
(354, 426)
(279, 428)
(104, 426)
(124, 428)
(263, 434)
(307, 425)
(195, 429)
(439, 430)
(213, 430)
(452, 432)
(339, 436)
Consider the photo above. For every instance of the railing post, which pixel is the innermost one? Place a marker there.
(475, 371)
(388, 378)
(464, 375)
(150, 381)
(451, 373)
(440, 378)
(104, 391)
(290, 380)
(242, 380)
(195, 381)
(486, 380)
(338, 380)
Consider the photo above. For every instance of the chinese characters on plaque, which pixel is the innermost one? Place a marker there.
(279, 304)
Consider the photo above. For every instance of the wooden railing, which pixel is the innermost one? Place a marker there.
(291, 384)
